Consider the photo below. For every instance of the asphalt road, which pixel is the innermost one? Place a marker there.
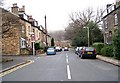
(64, 66)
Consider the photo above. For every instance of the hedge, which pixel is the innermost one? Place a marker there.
(107, 51)
(116, 44)
(98, 47)
(37, 46)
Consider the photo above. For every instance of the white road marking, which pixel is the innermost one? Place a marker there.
(68, 72)
(67, 56)
(67, 60)
(66, 53)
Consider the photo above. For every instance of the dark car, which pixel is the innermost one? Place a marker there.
(51, 51)
(88, 52)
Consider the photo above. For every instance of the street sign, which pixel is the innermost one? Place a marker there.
(33, 38)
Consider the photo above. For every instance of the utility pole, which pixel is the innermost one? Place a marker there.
(46, 31)
(88, 36)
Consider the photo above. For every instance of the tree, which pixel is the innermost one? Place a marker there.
(37, 46)
(80, 40)
(52, 42)
(75, 30)
(95, 33)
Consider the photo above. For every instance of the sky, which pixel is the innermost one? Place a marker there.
(56, 11)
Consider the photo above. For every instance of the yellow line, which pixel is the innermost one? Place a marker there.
(14, 69)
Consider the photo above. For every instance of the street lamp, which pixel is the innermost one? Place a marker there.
(46, 31)
(88, 35)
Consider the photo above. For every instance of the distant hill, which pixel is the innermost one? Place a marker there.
(57, 35)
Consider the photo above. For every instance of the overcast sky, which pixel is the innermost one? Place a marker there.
(57, 11)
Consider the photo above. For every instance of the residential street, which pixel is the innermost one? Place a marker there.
(64, 66)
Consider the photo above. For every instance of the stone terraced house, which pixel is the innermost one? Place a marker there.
(111, 21)
(17, 28)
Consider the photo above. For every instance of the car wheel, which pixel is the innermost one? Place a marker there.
(94, 57)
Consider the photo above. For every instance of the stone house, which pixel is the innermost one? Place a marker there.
(17, 30)
(49, 40)
(43, 36)
(63, 43)
(12, 34)
(111, 22)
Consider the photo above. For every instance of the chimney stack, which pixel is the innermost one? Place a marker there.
(118, 2)
(30, 19)
(15, 9)
(22, 10)
(108, 5)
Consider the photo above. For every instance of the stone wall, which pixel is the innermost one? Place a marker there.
(11, 42)
(25, 51)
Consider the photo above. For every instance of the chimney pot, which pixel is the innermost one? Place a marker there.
(15, 5)
(23, 7)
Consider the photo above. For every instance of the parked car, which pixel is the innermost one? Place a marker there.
(66, 49)
(77, 50)
(58, 49)
(88, 52)
(51, 51)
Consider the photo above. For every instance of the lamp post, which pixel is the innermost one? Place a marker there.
(46, 31)
(88, 31)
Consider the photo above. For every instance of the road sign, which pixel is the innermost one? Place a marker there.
(33, 37)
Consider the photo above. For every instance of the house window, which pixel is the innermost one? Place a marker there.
(23, 44)
(28, 30)
(110, 33)
(33, 30)
(105, 24)
(115, 19)
(23, 29)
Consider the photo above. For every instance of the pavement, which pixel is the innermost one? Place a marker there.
(15, 62)
(109, 60)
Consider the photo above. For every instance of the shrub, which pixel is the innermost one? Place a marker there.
(42, 47)
(116, 44)
(37, 46)
(52, 42)
(107, 51)
(98, 47)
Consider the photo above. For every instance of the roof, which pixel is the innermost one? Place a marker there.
(111, 12)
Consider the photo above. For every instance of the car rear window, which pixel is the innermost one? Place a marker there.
(50, 48)
(89, 49)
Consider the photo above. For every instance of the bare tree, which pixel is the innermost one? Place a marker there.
(81, 19)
